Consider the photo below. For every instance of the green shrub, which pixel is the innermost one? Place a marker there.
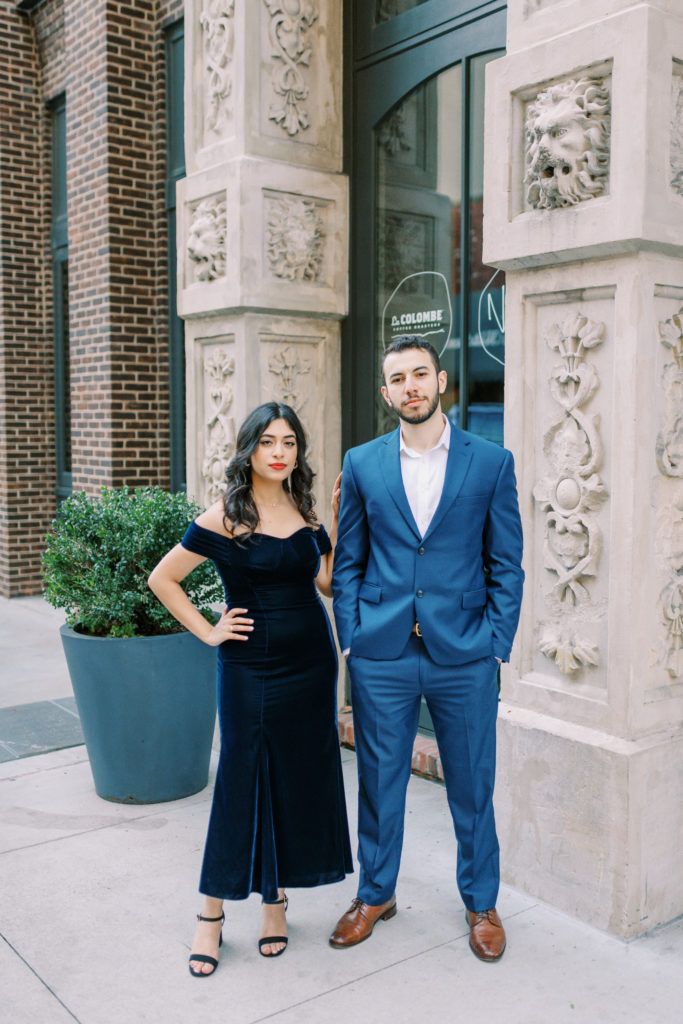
(100, 552)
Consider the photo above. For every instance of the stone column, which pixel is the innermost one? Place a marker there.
(262, 226)
(584, 211)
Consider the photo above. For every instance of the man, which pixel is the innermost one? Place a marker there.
(427, 589)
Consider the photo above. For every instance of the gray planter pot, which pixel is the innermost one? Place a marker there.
(148, 710)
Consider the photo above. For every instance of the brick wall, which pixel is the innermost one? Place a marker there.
(109, 58)
(26, 419)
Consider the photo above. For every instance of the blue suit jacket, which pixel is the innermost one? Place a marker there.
(462, 581)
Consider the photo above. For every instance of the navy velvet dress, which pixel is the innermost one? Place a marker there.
(278, 816)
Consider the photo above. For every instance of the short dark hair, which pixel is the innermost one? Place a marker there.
(407, 341)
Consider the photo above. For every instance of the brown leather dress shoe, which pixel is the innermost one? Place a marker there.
(357, 923)
(487, 935)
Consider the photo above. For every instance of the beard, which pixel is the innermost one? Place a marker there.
(414, 417)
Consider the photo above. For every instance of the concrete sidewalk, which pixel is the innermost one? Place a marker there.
(98, 902)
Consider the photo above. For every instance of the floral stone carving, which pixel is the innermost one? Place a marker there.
(206, 239)
(290, 21)
(567, 144)
(295, 237)
(217, 26)
(573, 492)
(287, 367)
(219, 443)
(676, 157)
(669, 541)
(669, 448)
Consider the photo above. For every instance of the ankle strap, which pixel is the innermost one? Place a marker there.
(221, 918)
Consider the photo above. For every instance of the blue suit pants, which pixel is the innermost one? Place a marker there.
(463, 703)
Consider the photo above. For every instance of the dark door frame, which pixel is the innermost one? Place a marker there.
(379, 82)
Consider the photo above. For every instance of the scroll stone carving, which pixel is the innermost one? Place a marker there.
(669, 541)
(290, 20)
(670, 546)
(206, 239)
(567, 143)
(571, 495)
(220, 434)
(287, 366)
(295, 237)
(669, 449)
(216, 22)
(676, 157)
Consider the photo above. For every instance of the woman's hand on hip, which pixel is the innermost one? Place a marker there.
(231, 626)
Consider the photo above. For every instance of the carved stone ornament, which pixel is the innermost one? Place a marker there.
(669, 539)
(676, 157)
(216, 21)
(670, 550)
(290, 21)
(295, 237)
(287, 368)
(568, 651)
(573, 492)
(669, 448)
(206, 239)
(219, 441)
(567, 148)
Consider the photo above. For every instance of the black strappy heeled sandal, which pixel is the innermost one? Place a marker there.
(201, 957)
(274, 938)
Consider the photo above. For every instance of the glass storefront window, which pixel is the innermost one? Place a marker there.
(430, 279)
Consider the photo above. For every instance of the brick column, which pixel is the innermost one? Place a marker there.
(26, 418)
(118, 359)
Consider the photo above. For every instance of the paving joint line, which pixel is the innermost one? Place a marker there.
(370, 974)
(41, 980)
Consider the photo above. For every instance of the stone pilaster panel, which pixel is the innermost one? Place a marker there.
(579, 142)
(261, 235)
(235, 363)
(264, 78)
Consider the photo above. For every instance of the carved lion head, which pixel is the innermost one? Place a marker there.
(567, 143)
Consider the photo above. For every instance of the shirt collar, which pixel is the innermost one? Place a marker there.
(443, 442)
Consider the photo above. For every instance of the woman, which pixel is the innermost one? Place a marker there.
(278, 816)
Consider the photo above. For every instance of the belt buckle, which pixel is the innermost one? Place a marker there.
(418, 631)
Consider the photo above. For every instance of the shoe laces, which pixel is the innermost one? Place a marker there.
(485, 915)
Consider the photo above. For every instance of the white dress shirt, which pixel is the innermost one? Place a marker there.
(423, 476)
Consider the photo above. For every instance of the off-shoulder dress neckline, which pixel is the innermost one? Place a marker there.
(256, 533)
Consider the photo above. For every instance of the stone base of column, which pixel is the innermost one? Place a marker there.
(591, 823)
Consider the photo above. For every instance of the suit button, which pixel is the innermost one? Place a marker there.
(420, 593)
(420, 551)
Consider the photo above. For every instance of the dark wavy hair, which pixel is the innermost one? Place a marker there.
(239, 508)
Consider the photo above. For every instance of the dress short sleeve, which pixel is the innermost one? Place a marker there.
(323, 540)
(204, 542)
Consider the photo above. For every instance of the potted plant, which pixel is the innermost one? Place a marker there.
(144, 686)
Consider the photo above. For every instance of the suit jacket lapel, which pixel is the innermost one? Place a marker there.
(390, 462)
(459, 458)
